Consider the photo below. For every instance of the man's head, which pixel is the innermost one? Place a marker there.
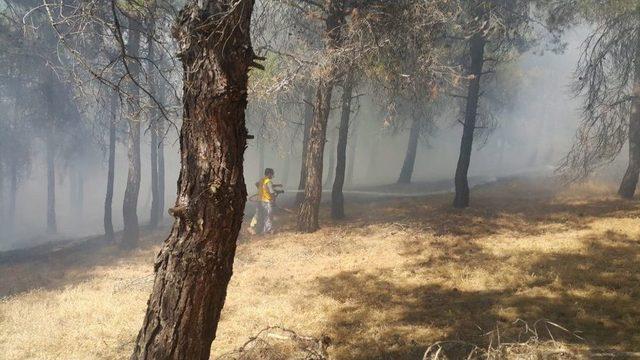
(268, 172)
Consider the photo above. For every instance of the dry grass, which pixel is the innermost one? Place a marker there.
(397, 276)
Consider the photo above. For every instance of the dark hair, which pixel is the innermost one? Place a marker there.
(268, 171)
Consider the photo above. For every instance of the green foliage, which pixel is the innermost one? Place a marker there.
(272, 66)
(262, 83)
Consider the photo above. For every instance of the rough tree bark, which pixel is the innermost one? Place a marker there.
(310, 207)
(195, 264)
(108, 198)
(131, 230)
(630, 180)
(476, 50)
(337, 197)
(412, 148)
(308, 119)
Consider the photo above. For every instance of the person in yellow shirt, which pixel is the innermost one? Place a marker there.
(266, 197)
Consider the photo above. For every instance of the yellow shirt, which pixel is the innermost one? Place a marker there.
(264, 190)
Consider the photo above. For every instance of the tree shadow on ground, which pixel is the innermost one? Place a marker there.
(522, 211)
(594, 293)
(72, 265)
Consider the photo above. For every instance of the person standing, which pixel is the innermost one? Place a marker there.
(266, 198)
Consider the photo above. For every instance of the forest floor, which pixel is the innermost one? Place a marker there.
(398, 275)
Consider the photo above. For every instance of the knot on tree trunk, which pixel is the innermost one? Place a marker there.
(178, 211)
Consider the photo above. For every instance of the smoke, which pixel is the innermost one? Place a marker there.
(533, 128)
(79, 213)
(534, 125)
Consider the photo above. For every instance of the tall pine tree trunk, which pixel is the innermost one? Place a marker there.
(154, 216)
(50, 152)
(52, 227)
(310, 207)
(410, 157)
(332, 159)
(352, 155)
(476, 50)
(108, 198)
(308, 119)
(131, 230)
(161, 171)
(630, 180)
(337, 197)
(155, 115)
(157, 204)
(194, 267)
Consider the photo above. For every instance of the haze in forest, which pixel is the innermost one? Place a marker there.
(319, 179)
(533, 132)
